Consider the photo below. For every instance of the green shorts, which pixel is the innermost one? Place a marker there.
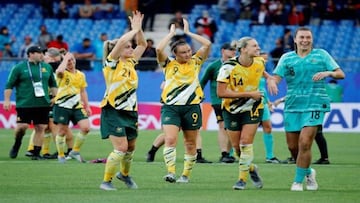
(118, 123)
(295, 121)
(266, 114)
(235, 122)
(188, 117)
(64, 116)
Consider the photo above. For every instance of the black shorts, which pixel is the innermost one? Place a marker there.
(36, 115)
(218, 112)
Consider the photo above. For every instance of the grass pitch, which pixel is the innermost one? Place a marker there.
(24, 180)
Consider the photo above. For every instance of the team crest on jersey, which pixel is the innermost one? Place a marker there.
(313, 60)
(43, 70)
(291, 71)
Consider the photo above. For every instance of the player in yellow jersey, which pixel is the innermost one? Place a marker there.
(71, 104)
(181, 97)
(53, 56)
(238, 85)
(119, 111)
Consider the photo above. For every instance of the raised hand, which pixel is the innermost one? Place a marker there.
(172, 29)
(136, 20)
(186, 26)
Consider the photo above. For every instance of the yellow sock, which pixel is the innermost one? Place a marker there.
(126, 163)
(246, 157)
(45, 149)
(189, 162)
(112, 163)
(170, 158)
(79, 140)
(31, 141)
(60, 145)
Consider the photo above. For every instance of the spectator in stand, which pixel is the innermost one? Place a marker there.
(261, 17)
(84, 52)
(103, 10)
(278, 51)
(312, 13)
(8, 53)
(200, 30)
(63, 11)
(47, 10)
(288, 40)
(5, 38)
(44, 38)
(229, 10)
(179, 33)
(329, 11)
(59, 43)
(178, 18)
(150, 50)
(246, 13)
(295, 17)
(99, 44)
(149, 9)
(86, 10)
(351, 10)
(208, 24)
(278, 16)
(23, 49)
(272, 5)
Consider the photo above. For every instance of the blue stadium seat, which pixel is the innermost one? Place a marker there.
(243, 23)
(347, 23)
(329, 22)
(215, 51)
(84, 22)
(200, 6)
(51, 24)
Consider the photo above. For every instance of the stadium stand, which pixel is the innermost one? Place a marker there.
(341, 38)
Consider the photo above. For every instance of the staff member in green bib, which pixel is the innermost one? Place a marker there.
(31, 80)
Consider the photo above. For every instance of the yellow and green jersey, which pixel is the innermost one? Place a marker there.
(182, 85)
(241, 79)
(121, 84)
(69, 88)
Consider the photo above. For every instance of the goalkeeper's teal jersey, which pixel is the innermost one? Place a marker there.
(262, 88)
(304, 94)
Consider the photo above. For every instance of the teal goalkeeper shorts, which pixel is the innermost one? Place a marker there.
(295, 121)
